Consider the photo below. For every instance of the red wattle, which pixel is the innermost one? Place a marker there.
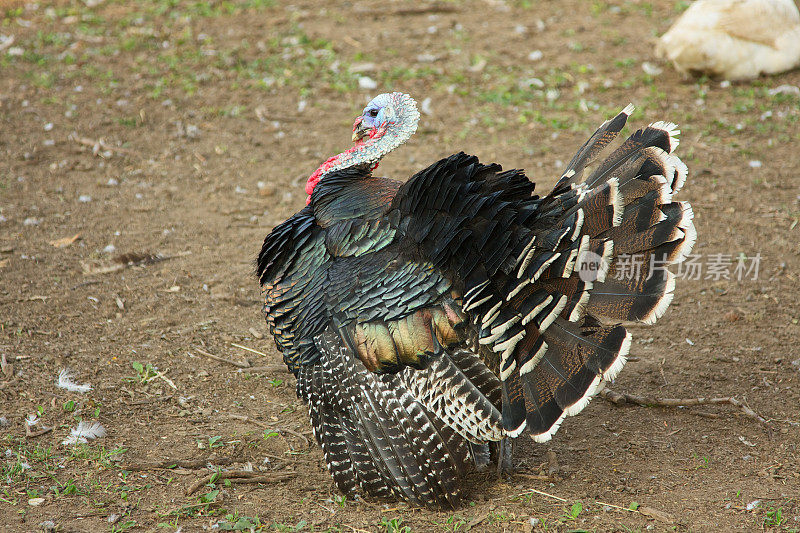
(314, 178)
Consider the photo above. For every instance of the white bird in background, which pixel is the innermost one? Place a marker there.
(735, 39)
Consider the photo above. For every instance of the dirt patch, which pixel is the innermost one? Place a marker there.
(170, 137)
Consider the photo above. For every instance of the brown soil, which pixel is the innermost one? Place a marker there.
(179, 130)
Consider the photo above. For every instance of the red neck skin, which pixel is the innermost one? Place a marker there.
(313, 180)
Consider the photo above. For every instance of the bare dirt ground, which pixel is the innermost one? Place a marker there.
(147, 149)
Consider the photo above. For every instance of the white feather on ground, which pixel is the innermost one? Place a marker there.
(85, 432)
(735, 39)
(65, 382)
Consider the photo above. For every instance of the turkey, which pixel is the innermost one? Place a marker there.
(735, 39)
(425, 319)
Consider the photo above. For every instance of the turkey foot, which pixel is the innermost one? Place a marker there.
(504, 457)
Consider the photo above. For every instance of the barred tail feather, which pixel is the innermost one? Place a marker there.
(377, 438)
(571, 336)
(566, 377)
(605, 134)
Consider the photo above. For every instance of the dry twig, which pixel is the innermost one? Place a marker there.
(240, 476)
(263, 425)
(238, 364)
(168, 464)
(29, 433)
(248, 349)
(543, 493)
(537, 477)
(100, 145)
(267, 368)
(620, 398)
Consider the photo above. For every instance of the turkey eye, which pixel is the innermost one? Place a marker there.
(373, 113)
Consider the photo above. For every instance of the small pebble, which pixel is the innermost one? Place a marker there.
(84, 198)
(31, 221)
(651, 69)
(755, 163)
(365, 82)
(536, 55)
(425, 107)
(110, 249)
(785, 89)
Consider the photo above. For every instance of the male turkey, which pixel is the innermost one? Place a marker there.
(425, 319)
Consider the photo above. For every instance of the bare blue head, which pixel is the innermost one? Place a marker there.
(375, 113)
(384, 111)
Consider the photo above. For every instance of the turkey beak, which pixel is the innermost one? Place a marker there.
(359, 130)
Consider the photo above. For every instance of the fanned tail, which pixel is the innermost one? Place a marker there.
(558, 323)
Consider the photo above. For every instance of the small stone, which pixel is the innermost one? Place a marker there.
(425, 107)
(110, 249)
(536, 55)
(755, 164)
(785, 89)
(84, 198)
(531, 82)
(651, 69)
(31, 221)
(358, 68)
(367, 83)
(35, 501)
